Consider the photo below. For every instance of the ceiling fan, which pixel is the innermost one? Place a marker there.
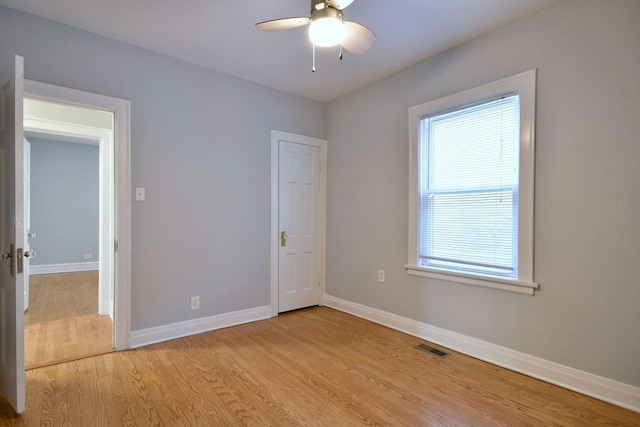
(327, 27)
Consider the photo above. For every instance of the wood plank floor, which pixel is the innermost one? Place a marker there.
(62, 322)
(315, 367)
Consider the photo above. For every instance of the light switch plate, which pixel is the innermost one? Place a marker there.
(140, 196)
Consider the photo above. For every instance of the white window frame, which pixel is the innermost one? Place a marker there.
(525, 85)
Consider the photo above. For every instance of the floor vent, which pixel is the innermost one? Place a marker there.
(432, 350)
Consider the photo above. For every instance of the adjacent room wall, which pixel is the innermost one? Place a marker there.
(200, 146)
(587, 312)
(64, 201)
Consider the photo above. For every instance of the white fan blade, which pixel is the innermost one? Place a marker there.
(339, 4)
(283, 24)
(359, 38)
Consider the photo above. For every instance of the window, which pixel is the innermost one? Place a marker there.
(471, 204)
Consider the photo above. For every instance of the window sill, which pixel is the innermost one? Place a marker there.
(518, 286)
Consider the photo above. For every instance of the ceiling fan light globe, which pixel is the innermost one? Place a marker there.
(326, 32)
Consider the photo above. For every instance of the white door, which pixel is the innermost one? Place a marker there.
(27, 218)
(299, 225)
(11, 236)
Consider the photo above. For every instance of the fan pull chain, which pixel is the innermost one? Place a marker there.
(313, 68)
(340, 56)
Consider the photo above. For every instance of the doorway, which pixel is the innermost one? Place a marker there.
(14, 88)
(298, 181)
(110, 267)
(70, 290)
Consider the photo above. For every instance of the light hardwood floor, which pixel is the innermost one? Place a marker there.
(62, 322)
(310, 367)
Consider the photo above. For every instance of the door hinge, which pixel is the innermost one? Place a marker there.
(115, 246)
(3, 109)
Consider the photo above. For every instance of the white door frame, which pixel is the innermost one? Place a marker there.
(122, 157)
(276, 137)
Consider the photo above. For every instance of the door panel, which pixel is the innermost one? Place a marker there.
(299, 194)
(11, 235)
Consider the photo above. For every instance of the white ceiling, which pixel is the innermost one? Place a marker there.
(220, 34)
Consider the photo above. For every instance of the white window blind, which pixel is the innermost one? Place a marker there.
(468, 188)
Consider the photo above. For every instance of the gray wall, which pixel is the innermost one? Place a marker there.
(200, 146)
(587, 235)
(64, 201)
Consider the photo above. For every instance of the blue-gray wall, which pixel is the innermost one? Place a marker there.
(64, 201)
(587, 237)
(200, 145)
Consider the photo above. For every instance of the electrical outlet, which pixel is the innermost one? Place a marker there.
(195, 303)
(87, 256)
(381, 276)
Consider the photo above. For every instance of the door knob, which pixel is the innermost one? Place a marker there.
(31, 253)
(9, 255)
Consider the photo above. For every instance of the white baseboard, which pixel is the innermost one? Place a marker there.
(197, 326)
(617, 393)
(63, 268)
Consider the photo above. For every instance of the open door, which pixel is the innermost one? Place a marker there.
(12, 235)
